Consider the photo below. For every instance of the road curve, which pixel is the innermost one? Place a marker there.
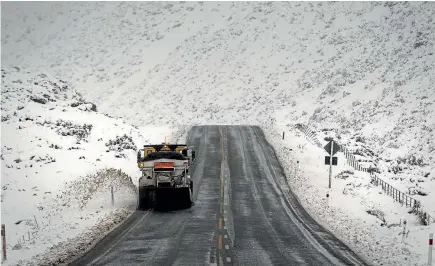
(244, 214)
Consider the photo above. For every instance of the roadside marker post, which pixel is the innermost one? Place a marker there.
(296, 169)
(3, 233)
(404, 230)
(429, 263)
(112, 196)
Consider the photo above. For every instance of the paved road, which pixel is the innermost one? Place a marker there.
(244, 214)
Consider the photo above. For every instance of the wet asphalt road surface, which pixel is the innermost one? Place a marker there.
(244, 214)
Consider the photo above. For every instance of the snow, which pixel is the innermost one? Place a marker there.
(362, 72)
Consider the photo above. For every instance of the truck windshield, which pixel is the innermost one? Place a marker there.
(164, 155)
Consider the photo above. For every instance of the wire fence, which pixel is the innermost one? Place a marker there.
(397, 195)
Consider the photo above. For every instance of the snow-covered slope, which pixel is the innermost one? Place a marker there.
(59, 160)
(364, 69)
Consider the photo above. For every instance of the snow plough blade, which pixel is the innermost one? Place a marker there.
(165, 199)
(173, 198)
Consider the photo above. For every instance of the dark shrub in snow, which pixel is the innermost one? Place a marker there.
(121, 143)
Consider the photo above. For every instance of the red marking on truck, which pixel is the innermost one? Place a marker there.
(163, 164)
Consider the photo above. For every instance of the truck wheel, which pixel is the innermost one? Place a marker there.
(191, 193)
(143, 199)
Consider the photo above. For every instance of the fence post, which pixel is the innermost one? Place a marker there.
(401, 201)
(429, 262)
(3, 242)
(283, 134)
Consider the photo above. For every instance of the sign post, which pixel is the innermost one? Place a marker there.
(331, 148)
(330, 166)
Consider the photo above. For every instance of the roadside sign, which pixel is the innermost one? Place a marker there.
(328, 160)
(335, 146)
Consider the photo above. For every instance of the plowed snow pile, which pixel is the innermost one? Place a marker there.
(361, 72)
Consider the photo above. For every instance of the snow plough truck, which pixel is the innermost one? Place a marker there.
(165, 181)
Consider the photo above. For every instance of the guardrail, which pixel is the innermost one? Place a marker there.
(397, 195)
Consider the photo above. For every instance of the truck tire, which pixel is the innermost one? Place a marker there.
(143, 199)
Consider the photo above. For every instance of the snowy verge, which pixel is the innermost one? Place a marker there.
(358, 212)
(90, 197)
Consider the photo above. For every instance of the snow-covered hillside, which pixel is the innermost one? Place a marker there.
(59, 160)
(364, 69)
